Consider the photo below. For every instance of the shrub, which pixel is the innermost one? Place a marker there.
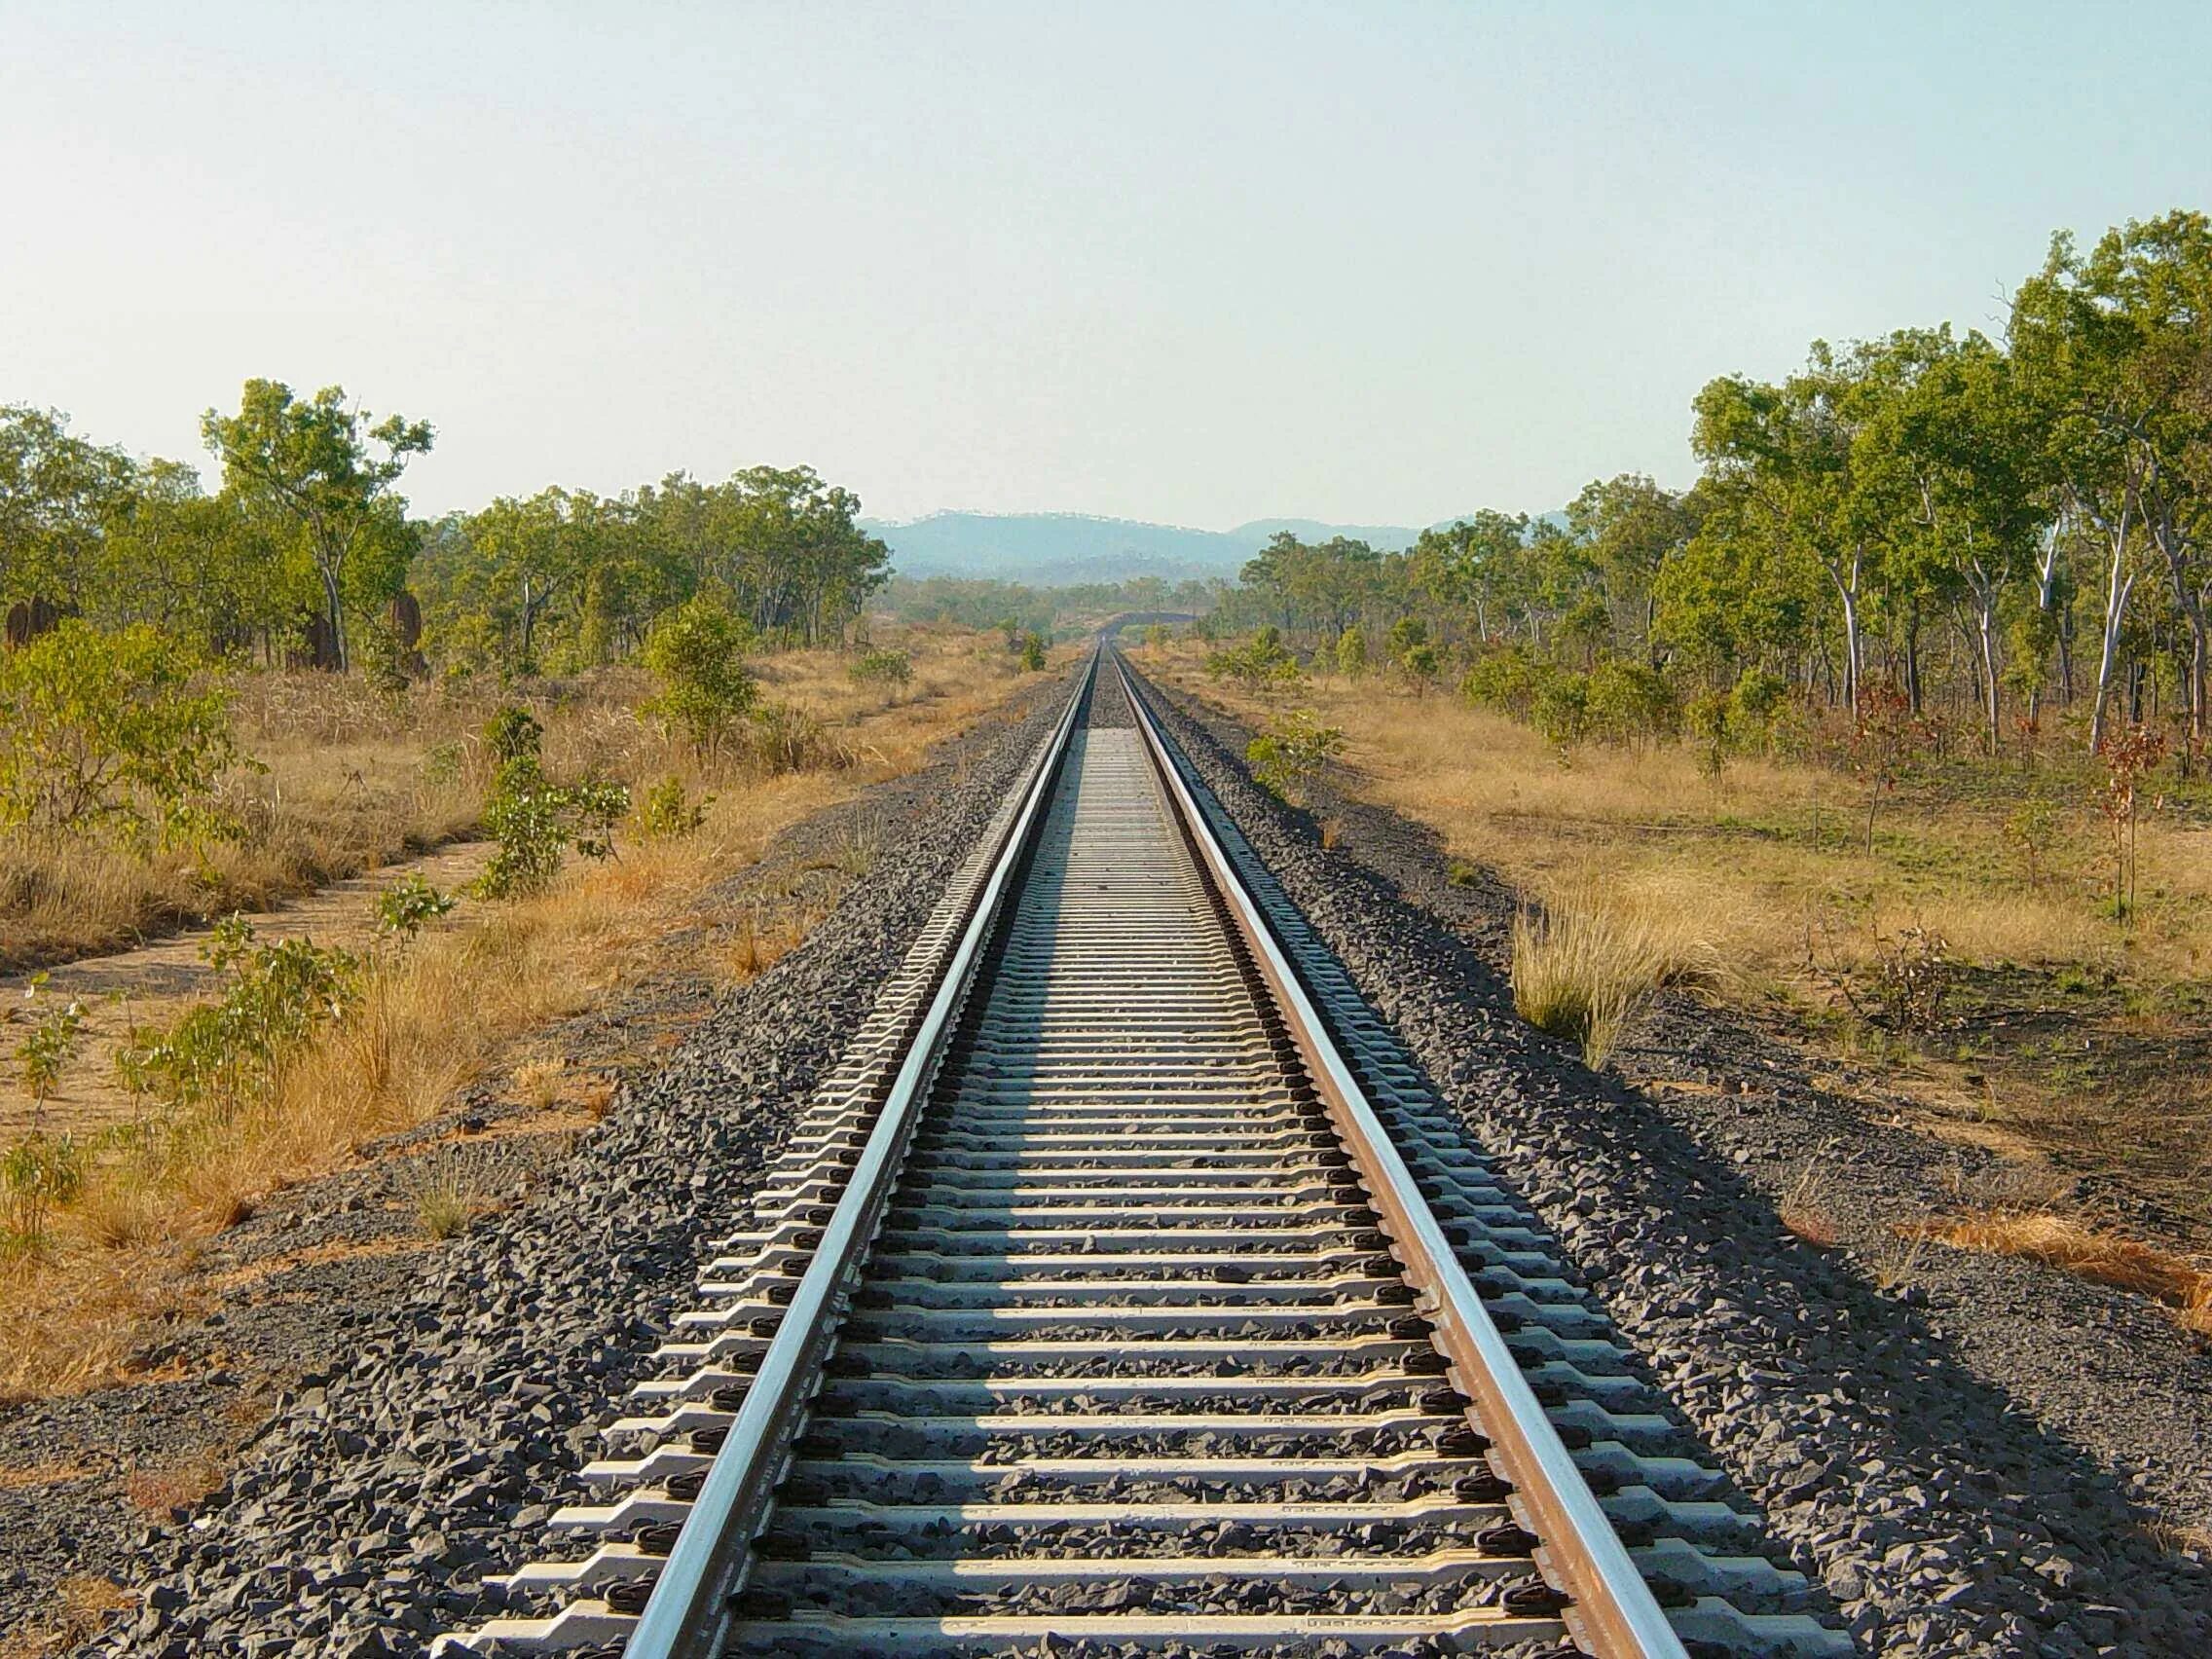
(1562, 708)
(226, 1051)
(1032, 653)
(1157, 637)
(403, 907)
(46, 1049)
(1284, 761)
(536, 821)
(37, 1174)
(1406, 633)
(1507, 681)
(512, 733)
(1262, 665)
(1629, 700)
(1352, 653)
(667, 814)
(1757, 706)
(124, 731)
(697, 653)
(1421, 665)
(883, 668)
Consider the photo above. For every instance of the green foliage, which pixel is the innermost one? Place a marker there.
(37, 1175)
(407, 906)
(326, 468)
(1032, 653)
(1421, 665)
(1406, 633)
(1562, 708)
(1628, 701)
(667, 813)
(54, 1036)
(1262, 665)
(126, 732)
(1352, 653)
(1157, 636)
(225, 1052)
(883, 668)
(698, 655)
(1286, 760)
(537, 822)
(1509, 680)
(513, 733)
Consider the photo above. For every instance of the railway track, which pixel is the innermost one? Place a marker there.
(1129, 1292)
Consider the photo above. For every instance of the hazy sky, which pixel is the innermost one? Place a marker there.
(1195, 262)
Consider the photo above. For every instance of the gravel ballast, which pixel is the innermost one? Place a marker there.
(448, 1423)
(1967, 1459)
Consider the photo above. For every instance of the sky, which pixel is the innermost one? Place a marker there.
(1199, 263)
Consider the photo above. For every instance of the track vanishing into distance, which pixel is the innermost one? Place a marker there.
(1127, 1291)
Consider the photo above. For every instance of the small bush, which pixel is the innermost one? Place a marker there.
(53, 1038)
(37, 1174)
(1562, 708)
(225, 1052)
(1421, 666)
(1286, 760)
(1032, 653)
(696, 654)
(1507, 681)
(667, 813)
(1627, 701)
(1157, 637)
(1262, 665)
(536, 821)
(123, 731)
(513, 733)
(407, 905)
(1352, 653)
(883, 668)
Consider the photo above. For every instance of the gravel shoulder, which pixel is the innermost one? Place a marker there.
(1975, 1455)
(365, 1422)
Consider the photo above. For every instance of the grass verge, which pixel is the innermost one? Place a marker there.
(438, 1017)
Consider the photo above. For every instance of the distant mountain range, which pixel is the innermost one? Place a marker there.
(1062, 549)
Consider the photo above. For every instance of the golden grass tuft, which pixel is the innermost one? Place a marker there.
(1585, 964)
(2089, 1252)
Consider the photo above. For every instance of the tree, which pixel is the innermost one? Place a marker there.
(111, 731)
(321, 466)
(2117, 347)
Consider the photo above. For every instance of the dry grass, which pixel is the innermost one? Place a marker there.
(83, 1606)
(1586, 963)
(2093, 1253)
(1778, 845)
(164, 1488)
(124, 1250)
(1801, 1213)
(445, 1205)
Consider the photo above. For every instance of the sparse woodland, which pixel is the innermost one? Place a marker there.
(1893, 727)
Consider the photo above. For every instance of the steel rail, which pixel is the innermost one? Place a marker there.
(689, 1612)
(1613, 1613)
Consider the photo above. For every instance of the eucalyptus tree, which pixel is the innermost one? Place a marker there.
(1947, 472)
(1781, 455)
(327, 467)
(2116, 346)
(58, 492)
